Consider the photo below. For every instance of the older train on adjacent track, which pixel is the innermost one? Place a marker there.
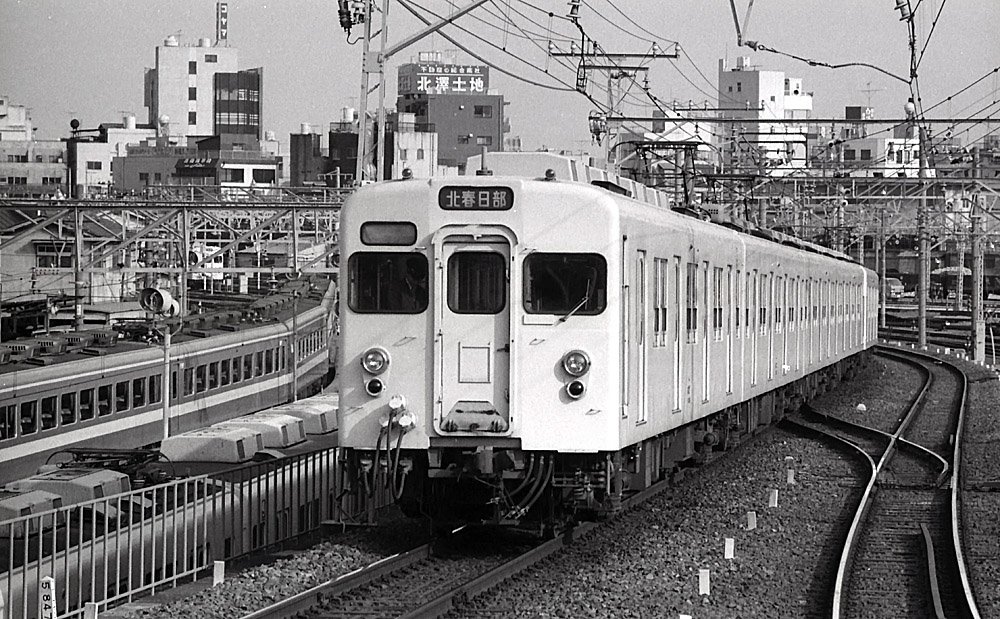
(103, 390)
(538, 343)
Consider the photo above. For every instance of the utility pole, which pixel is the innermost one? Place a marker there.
(978, 323)
(374, 62)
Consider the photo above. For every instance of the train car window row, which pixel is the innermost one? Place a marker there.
(66, 409)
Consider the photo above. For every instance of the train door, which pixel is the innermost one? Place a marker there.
(637, 350)
(473, 352)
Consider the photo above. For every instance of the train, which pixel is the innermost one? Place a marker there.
(106, 534)
(531, 344)
(105, 388)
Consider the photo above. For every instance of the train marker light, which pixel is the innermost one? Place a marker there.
(374, 387)
(576, 389)
(406, 421)
(576, 363)
(375, 361)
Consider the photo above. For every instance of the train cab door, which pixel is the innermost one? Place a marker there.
(472, 351)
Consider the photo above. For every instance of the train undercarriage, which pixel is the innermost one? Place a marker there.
(499, 483)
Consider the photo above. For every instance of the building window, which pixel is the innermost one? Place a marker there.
(850, 154)
(192, 67)
(17, 159)
(52, 180)
(402, 154)
(261, 175)
(157, 177)
(420, 154)
(94, 165)
(484, 140)
(192, 93)
(53, 255)
(730, 89)
(482, 111)
(739, 86)
(17, 180)
(144, 177)
(55, 159)
(463, 139)
(38, 159)
(192, 118)
(211, 58)
(866, 154)
(232, 175)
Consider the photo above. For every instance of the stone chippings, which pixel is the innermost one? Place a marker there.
(884, 387)
(646, 563)
(256, 587)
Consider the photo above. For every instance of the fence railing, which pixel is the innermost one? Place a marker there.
(111, 550)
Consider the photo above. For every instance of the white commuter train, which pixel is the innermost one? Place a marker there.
(536, 343)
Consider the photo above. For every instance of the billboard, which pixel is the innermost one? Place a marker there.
(443, 79)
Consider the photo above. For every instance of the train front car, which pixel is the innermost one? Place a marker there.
(480, 339)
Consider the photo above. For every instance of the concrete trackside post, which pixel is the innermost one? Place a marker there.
(47, 598)
(751, 521)
(218, 573)
(90, 610)
(704, 587)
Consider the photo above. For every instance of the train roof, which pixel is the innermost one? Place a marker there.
(549, 165)
(230, 321)
(229, 444)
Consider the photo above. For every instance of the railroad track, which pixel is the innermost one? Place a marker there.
(903, 554)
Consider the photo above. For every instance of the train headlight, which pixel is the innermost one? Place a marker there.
(375, 361)
(374, 387)
(575, 389)
(576, 363)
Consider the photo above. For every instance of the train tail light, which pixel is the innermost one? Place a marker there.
(374, 387)
(575, 389)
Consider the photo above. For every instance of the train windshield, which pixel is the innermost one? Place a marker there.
(477, 282)
(388, 282)
(565, 284)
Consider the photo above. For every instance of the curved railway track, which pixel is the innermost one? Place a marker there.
(903, 554)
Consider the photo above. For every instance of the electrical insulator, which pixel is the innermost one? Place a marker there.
(574, 9)
(552, 48)
(358, 11)
(581, 78)
(656, 50)
(903, 6)
(344, 13)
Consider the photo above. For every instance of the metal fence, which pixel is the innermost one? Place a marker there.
(113, 549)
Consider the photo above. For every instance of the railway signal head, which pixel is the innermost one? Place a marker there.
(159, 301)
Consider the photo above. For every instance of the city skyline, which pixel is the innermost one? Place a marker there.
(96, 53)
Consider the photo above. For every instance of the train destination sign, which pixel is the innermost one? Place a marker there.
(471, 198)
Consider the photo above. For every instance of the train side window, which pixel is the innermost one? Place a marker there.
(268, 361)
(49, 412)
(224, 372)
(387, 282)
(29, 417)
(717, 302)
(200, 379)
(237, 367)
(188, 381)
(259, 365)
(738, 298)
(477, 282)
(778, 301)
(155, 384)
(173, 385)
(103, 400)
(67, 408)
(281, 357)
(247, 366)
(86, 404)
(121, 396)
(138, 392)
(8, 422)
(213, 375)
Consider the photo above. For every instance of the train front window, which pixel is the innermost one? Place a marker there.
(565, 284)
(477, 283)
(388, 283)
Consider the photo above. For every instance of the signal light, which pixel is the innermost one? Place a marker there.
(159, 301)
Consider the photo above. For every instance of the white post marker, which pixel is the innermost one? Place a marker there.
(751, 521)
(2, 615)
(684, 617)
(703, 584)
(730, 548)
(772, 499)
(218, 573)
(790, 476)
(90, 610)
(47, 598)
(789, 461)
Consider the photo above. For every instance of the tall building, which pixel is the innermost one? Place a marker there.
(746, 92)
(454, 101)
(198, 90)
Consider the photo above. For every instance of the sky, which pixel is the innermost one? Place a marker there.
(85, 59)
